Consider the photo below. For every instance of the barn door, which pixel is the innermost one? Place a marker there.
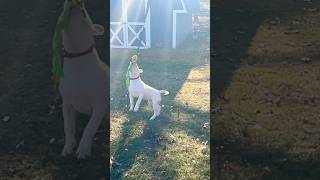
(129, 23)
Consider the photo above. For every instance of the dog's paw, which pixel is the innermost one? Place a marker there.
(84, 150)
(131, 109)
(67, 150)
(136, 110)
(82, 156)
(152, 118)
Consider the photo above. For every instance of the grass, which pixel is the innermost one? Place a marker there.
(268, 98)
(26, 147)
(265, 103)
(176, 144)
(267, 115)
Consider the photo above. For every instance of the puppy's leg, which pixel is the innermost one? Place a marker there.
(136, 107)
(90, 130)
(154, 106)
(131, 101)
(69, 129)
(158, 109)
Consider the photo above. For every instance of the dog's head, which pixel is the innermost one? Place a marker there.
(81, 19)
(81, 30)
(134, 59)
(135, 70)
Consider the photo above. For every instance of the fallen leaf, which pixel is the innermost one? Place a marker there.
(206, 125)
(21, 143)
(6, 118)
(52, 140)
(306, 59)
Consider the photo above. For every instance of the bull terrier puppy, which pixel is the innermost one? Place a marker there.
(85, 83)
(137, 88)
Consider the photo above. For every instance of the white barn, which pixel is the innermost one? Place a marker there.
(166, 23)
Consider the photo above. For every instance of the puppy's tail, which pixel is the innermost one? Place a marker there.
(164, 92)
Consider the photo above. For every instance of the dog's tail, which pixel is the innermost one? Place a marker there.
(164, 92)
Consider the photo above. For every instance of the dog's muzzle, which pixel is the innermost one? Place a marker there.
(134, 59)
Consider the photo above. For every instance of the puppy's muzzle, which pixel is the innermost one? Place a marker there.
(134, 59)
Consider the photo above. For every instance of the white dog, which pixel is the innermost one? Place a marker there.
(137, 88)
(85, 83)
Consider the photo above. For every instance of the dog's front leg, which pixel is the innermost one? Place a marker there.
(69, 128)
(90, 130)
(136, 107)
(131, 101)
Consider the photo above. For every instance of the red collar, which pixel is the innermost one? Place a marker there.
(134, 78)
(74, 55)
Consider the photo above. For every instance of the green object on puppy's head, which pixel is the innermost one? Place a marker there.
(134, 59)
(57, 45)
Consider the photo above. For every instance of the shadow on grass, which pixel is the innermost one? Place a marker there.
(162, 69)
(147, 143)
(235, 24)
(127, 152)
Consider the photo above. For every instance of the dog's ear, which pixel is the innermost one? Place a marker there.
(98, 30)
(140, 71)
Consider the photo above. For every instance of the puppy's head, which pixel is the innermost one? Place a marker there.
(135, 70)
(134, 59)
(80, 21)
(80, 32)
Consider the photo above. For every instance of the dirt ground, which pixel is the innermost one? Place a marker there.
(31, 124)
(266, 107)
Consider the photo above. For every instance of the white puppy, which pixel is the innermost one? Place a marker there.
(85, 83)
(137, 88)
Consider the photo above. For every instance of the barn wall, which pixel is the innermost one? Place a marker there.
(161, 23)
(193, 6)
(184, 27)
(135, 11)
(161, 13)
(115, 10)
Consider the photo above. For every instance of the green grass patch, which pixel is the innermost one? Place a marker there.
(176, 144)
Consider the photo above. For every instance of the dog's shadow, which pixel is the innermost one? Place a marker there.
(130, 147)
(127, 151)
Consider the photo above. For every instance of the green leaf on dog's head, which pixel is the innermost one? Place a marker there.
(57, 45)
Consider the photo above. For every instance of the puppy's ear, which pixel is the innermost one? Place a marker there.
(98, 30)
(141, 71)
